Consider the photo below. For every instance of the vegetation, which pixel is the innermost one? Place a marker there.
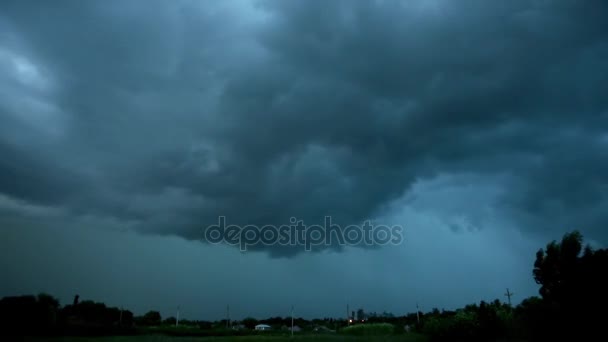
(255, 338)
(572, 305)
(372, 329)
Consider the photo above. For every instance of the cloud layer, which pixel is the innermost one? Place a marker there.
(166, 115)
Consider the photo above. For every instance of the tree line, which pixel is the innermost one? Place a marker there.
(571, 304)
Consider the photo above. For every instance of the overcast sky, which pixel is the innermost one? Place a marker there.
(127, 127)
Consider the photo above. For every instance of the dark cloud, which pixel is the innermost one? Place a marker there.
(170, 114)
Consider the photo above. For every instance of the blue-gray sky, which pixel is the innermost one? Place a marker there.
(127, 127)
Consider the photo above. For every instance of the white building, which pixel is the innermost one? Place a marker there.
(262, 327)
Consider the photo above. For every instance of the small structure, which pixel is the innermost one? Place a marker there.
(262, 327)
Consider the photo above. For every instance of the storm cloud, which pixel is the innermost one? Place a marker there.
(164, 115)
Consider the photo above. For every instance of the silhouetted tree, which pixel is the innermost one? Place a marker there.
(47, 311)
(125, 318)
(250, 322)
(151, 318)
(533, 319)
(573, 282)
(28, 314)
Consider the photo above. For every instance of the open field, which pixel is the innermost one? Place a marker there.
(303, 338)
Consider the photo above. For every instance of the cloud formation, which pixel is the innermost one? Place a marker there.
(166, 115)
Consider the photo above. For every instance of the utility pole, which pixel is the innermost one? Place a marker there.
(417, 313)
(120, 319)
(227, 316)
(509, 294)
(177, 317)
(292, 320)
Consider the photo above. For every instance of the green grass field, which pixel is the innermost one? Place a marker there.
(258, 338)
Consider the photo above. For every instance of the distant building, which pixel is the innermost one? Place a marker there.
(262, 327)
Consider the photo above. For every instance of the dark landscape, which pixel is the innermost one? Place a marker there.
(573, 279)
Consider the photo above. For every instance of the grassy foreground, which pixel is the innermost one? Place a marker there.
(257, 338)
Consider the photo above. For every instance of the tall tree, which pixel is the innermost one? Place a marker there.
(573, 283)
(151, 318)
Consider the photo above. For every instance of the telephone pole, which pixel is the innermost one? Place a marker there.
(227, 316)
(291, 320)
(509, 294)
(417, 313)
(177, 317)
